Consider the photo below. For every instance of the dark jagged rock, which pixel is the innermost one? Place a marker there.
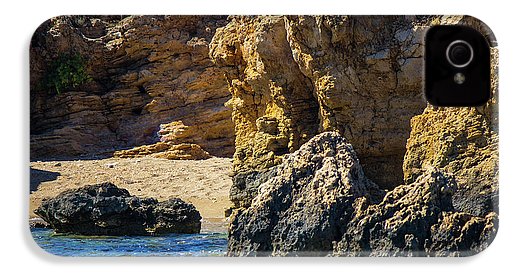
(461, 234)
(318, 202)
(401, 224)
(303, 206)
(104, 209)
(246, 186)
(176, 216)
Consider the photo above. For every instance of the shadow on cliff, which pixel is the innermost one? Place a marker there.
(38, 176)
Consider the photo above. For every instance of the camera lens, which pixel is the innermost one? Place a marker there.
(460, 53)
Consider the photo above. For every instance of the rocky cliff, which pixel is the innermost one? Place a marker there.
(144, 71)
(305, 203)
(292, 77)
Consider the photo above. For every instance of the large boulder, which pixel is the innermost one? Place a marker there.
(305, 204)
(104, 209)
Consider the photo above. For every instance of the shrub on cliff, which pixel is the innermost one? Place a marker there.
(67, 71)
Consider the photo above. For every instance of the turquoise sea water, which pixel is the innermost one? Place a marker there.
(203, 244)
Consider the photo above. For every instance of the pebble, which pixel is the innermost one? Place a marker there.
(111, 165)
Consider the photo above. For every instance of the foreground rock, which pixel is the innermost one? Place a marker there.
(304, 206)
(416, 220)
(318, 202)
(105, 209)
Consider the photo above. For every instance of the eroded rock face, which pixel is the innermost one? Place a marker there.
(304, 206)
(105, 209)
(319, 202)
(145, 71)
(461, 141)
(274, 108)
(292, 77)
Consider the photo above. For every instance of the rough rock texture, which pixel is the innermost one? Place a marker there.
(364, 73)
(274, 109)
(460, 141)
(286, 79)
(145, 70)
(318, 202)
(245, 186)
(416, 220)
(292, 77)
(165, 150)
(175, 138)
(304, 206)
(460, 234)
(105, 209)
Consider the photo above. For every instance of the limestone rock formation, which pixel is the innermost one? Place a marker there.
(293, 86)
(144, 71)
(294, 76)
(175, 143)
(105, 209)
(461, 141)
(305, 204)
(274, 110)
(185, 151)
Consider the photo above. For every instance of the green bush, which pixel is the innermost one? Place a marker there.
(67, 71)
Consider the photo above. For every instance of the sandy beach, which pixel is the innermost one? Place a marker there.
(204, 183)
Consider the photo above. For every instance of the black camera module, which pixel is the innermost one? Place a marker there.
(460, 53)
(457, 66)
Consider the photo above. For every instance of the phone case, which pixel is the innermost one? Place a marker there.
(254, 136)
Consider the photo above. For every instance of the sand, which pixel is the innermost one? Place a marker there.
(204, 183)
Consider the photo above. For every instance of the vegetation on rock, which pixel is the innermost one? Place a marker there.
(68, 70)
